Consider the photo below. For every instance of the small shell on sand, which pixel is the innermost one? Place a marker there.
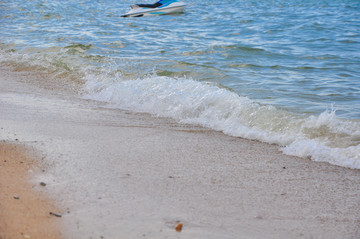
(179, 227)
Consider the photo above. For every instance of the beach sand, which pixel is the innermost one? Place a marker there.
(120, 174)
(24, 212)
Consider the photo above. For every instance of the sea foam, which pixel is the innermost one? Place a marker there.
(321, 138)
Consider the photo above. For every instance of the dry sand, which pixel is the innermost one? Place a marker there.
(126, 175)
(24, 212)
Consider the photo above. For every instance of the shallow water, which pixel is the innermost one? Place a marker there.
(284, 72)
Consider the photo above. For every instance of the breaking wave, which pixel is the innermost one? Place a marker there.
(322, 138)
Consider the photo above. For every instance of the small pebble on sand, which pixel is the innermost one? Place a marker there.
(179, 227)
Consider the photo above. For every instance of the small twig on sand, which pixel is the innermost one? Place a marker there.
(55, 214)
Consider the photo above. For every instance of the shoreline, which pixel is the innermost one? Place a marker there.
(131, 175)
(24, 210)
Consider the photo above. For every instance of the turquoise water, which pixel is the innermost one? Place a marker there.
(283, 72)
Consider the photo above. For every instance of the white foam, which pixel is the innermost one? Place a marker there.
(323, 137)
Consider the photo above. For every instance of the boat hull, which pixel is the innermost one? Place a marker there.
(176, 7)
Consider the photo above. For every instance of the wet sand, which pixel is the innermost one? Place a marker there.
(120, 174)
(24, 211)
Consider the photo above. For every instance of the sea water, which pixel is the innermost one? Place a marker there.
(281, 72)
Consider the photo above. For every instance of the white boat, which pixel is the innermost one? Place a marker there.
(159, 8)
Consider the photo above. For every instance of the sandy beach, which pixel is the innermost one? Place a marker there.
(119, 174)
(25, 212)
